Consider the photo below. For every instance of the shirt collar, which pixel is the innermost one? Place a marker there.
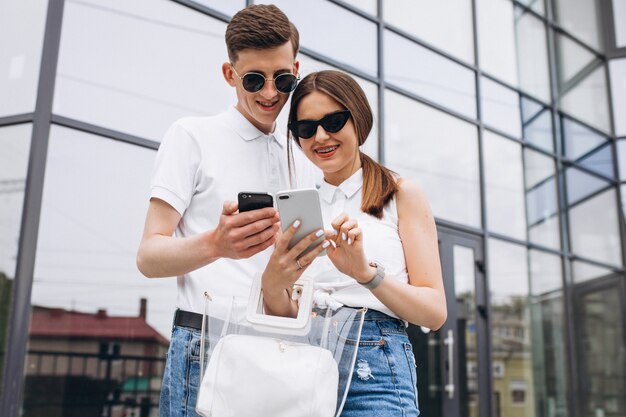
(248, 131)
(349, 187)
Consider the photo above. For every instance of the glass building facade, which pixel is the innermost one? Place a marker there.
(511, 114)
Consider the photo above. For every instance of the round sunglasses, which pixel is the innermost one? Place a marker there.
(253, 81)
(332, 123)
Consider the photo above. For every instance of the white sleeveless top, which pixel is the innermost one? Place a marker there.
(381, 242)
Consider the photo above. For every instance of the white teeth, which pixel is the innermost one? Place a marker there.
(326, 150)
(266, 104)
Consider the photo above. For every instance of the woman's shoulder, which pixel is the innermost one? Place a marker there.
(410, 196)
(408, 188)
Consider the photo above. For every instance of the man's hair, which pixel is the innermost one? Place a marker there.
(260, 26)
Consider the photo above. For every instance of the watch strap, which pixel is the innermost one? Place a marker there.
(377, 279)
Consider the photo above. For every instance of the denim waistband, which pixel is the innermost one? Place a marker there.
(375, 315)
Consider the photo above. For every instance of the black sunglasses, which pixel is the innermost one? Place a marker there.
(332, 123)
(253, 81)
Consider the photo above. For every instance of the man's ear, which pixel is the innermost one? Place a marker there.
(296, 65)
(228, 73)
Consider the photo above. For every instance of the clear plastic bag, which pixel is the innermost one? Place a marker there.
(259, 365)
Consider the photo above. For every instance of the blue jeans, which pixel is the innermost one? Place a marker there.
(384, 380)
(179, 389)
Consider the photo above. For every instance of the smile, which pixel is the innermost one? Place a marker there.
(326, 151)
(269, 105)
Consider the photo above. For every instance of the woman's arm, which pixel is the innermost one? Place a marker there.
(422, 301)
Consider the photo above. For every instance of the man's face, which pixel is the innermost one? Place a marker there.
(262, 107)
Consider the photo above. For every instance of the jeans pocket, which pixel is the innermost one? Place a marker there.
(194, 348)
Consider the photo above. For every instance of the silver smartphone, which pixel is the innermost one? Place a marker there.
(303, 205)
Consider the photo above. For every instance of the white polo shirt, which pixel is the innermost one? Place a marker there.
(204, 161)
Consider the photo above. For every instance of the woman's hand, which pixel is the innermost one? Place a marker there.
(287, 265)
(347, 254)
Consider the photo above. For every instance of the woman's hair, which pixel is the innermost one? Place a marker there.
(379, 183)
(260, 26)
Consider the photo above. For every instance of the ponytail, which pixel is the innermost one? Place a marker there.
(379, 186)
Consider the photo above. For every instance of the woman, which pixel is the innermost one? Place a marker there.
(383, 242)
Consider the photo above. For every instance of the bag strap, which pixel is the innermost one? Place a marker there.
(281, 325)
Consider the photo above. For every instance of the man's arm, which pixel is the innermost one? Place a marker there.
(238, 235)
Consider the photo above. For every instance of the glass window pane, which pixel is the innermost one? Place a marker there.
(369, 6)
(504, 179)
(537, 125)
(548, 339)
(20, 54)
(623, 202)
(579, 140)
(423, 20)
(581, 19)
(599, 332)
(438, 151)
(583, 271)
(600, 161)
(532, 55)
(228, 7)
(588, 101)
(464, 267)
(511, 324)
(441, 81)
(138, 66)
(541, 199)
(342, 30)
(496, 39)
(571, 58)
(546, 274)
(500, 107)
(596, 236)
(538, 6)
(309, 65)
(617, 69)
(15, 145)
(580, 185)
(621, 158)
(619, 22)
(94, 203)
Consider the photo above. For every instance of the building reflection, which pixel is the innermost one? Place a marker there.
(93, 364)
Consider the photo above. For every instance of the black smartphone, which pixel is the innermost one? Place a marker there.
(253, 201)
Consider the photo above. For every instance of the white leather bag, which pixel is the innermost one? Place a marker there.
(270, 374)
(252, 376)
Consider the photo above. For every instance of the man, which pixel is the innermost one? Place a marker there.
(201, 166)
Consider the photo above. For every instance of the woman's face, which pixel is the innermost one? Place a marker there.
(336, 154)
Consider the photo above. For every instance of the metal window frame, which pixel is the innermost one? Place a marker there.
(19, 316)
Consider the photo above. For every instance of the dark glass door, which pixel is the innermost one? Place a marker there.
(600, 341)
(453, 362)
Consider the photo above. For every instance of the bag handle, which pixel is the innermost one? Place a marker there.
(282, 325)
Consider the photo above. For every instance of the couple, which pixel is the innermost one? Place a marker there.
(381, 234)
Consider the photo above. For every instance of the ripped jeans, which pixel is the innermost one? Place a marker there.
(384, 381)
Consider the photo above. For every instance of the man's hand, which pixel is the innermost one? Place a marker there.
(242, 235)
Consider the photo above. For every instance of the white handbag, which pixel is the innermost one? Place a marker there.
(274, 367)
(260, 376)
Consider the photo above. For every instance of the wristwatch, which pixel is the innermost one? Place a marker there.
(377, 279)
